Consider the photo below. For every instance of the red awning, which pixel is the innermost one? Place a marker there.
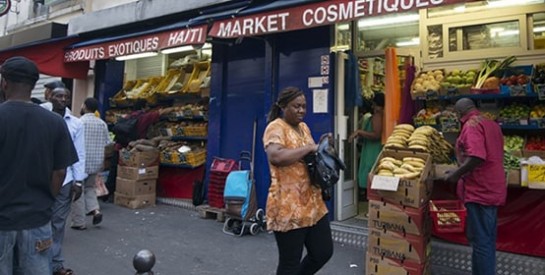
(49, 56)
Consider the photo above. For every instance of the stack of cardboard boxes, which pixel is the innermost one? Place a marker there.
(136, 180)
(399, 222)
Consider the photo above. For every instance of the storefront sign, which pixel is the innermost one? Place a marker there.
(146, 43)
(5, 5)
(318, 14)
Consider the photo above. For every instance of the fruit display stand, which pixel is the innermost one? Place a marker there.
(519, 114)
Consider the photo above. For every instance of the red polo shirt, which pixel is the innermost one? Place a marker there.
(482, 138)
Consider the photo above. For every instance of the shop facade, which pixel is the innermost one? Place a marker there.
(257, 50)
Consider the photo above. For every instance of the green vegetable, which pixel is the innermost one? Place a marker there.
(491, 66)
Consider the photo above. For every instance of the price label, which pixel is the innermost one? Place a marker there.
(386, 183)
(142, 171)
(540, 90)
(536, 173)
(517, 90)
(523, 122)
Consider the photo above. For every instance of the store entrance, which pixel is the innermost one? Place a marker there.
(346, 200)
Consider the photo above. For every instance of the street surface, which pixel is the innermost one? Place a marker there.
(183, 243)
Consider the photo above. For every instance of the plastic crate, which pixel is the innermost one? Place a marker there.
(449, 216)
(220, 165)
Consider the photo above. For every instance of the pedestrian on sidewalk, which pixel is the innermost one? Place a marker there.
(73, 183)
(49, 87)
(481, 182)
(95, 132)
(36, 148)
(371, 134)
(296, 212)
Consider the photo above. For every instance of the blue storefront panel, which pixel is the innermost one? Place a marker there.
(246, 79)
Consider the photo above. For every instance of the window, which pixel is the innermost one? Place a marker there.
(343, 37)
(539, 30)
(378, 33)
(485, 36)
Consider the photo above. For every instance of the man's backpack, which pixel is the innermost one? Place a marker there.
(125, 130)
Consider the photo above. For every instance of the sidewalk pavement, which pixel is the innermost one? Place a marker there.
(183, 243)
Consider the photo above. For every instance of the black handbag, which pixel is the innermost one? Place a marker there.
(323, 168)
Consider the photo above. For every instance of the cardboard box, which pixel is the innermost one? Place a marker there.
(513, 177)
(399, 246)
(413, 193)
(138, 159)
(383, 215)
(135, 187)
(134, 202)
(379, 265)
(133, 173)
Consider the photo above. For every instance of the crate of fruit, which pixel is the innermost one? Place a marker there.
(517, 81)
(449, 216)
(196, 130)
(538, 80)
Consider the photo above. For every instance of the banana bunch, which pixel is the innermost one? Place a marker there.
(407, 168)
(444, 217)
(429, 140)
(399, 137)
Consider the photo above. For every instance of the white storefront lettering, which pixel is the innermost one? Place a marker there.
(135, 46)
(184, 37)
(334, 13)
(254, 25)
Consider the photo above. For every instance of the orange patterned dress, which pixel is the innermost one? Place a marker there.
(292, 201)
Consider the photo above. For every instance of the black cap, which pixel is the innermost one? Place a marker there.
(54, 84)
(20, 69)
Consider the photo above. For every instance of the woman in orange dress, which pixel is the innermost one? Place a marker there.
(296, 212)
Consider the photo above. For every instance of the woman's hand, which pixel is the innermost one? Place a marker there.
(354, 135)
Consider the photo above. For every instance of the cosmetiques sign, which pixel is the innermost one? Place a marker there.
(139, 44)
(5, 5)
(316, 14)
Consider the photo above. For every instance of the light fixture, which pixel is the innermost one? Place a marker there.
(136, 55)
(413, 42)
(539, 29)
(508, 3)
(185, 48)
(460, 9)
(389, 20)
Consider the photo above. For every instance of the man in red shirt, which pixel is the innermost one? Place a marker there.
(481, 182)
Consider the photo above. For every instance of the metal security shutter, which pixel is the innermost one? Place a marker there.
(149, 66)
(39, 89)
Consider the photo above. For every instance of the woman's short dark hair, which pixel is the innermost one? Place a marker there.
(378, 99)
(91, 104)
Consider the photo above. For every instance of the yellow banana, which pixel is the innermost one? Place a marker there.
(414, 159)
(401, 171)
(404, 126)
(392, 160)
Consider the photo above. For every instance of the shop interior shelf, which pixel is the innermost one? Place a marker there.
(521, 127)
(182, 118)
(182, 138)
(478, 96)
